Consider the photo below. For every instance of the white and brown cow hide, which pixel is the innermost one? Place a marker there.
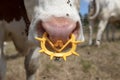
(14, 25)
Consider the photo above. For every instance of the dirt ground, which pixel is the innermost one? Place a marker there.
(94, 63)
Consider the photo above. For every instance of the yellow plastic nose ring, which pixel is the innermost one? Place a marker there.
(58, 52)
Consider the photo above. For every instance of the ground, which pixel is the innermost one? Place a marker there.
(94, 63)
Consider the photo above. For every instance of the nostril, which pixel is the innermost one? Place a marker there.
(39, 28)
(76, 31)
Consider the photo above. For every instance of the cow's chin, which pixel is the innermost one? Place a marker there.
(60, 35)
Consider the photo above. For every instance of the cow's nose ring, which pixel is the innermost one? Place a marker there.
(58, 52)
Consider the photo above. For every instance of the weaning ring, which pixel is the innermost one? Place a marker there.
(58, 52)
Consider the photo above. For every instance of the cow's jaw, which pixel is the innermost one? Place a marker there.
(59, 28)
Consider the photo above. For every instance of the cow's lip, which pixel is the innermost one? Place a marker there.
(41, 30)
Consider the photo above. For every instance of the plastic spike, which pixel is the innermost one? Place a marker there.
(41, 50)
(40, 39)
(51, 57)
(75, 53)
(64, 57)
(77, 42)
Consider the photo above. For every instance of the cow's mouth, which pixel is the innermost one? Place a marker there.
(58, 29)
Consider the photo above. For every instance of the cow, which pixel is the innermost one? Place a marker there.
(14, 24)
(107, 12)
(59, 19)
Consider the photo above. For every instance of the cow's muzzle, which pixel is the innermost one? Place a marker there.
(58, 33)
(58, 28)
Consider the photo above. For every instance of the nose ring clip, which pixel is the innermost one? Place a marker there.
(58, 52)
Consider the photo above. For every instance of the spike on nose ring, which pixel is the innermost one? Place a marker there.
(58, 52)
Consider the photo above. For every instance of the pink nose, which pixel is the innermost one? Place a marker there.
(59, 28)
